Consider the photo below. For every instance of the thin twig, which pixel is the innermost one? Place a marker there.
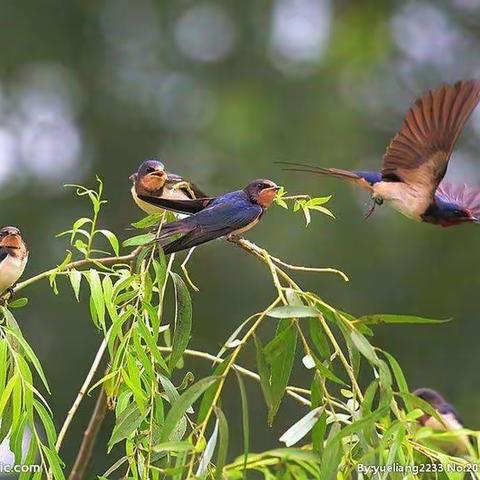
(89, 437)
(81, 394)
(105, 261)
(293, 391)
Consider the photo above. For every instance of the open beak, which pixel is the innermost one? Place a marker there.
(275, 189)
(12, 240)
(158, 173)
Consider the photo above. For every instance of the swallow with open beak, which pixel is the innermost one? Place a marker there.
(229, 214)
(450, 421)
(13, 257)
(417, 159)
(152, 181)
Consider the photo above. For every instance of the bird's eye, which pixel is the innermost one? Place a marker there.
(150, 169)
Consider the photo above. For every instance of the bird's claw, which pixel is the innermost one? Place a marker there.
(7, 295)
(371, 209)
(186, 186)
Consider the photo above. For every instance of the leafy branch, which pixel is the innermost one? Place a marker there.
(162, 427)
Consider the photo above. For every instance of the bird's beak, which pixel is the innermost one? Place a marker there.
(154, 181)
(158, 173)
(274, 188)
(12, 240)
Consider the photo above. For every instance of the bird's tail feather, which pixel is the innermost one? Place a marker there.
(173, 228)
(332, 172)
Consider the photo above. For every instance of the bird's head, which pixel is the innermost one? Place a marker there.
(10, 237)
(262, 192)
(150, 176)
(452, 214)
(456, 204)
(430, 396)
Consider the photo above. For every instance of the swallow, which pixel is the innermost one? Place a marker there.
(229, 214)
(13, 257)
(417, 158)
(450, 421)
(152, 181)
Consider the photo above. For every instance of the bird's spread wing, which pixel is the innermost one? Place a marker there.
(348, 175)
(466, 198)
(215, 222)
(420, 151)
(180, 206)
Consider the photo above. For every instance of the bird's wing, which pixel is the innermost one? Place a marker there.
(420, 151)
(215, 222)
(466, 198)
(3, 254)
(348, 175)
(180, 206)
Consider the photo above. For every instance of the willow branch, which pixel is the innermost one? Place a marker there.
(89, 437)
(293, 391)
(81, 394)
(78, 264)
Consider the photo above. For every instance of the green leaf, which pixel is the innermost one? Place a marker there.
(364, 347)
(149, 221)
(263, 372)
(113, 240)
(96, 292)
(139, 240)
(127, 422)
(173, 447)
(293, 311)
(397, 371)
(301, 428)
(75, 280)
(389, 318)
(209, 394)
(223, 443)
(281, 366)
(18, 303)
(183, 320)
(54, 462)
(208, 453)
(319, 339)
(180, 407)
(30, 355)
(327, 372)
(47, 422)
(245, 420)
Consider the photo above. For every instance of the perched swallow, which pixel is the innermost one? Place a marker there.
(450, 418)
(417, 158)
(230, 214)
(152, 181)
(13, 257)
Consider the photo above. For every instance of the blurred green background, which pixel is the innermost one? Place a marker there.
(220, 90)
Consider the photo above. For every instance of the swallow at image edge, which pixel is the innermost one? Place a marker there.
(230, 214)
(417, 158)
(13, 257)
(451, 421)
(152, 181)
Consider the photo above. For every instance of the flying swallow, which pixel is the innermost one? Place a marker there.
(13, 257)
(152, 181)
(450, 421)
(230, 214)
(417, 159)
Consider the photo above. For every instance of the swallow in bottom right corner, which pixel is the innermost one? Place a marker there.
(451, 421)
(229, 214)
